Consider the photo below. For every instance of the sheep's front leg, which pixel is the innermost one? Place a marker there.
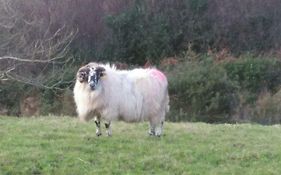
(98, 130)
(108, 128)
(151, 129)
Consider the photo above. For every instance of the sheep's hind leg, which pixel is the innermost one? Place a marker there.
(160, 129)
(108, 128)
(98, 130)
(160, 125)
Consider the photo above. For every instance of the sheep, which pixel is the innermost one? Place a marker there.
(129, 95)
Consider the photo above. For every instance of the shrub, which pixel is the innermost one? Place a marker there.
(236, 90)
(50, 102)
(53, 98)
(138, 35)
(267, 109)
(202, 91)
(11, 93)
(255, 75)
(68, 104)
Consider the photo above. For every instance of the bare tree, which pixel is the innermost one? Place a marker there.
(32, 40)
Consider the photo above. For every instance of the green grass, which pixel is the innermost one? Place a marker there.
(62, 145)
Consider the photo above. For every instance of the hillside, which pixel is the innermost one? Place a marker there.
(62, 145)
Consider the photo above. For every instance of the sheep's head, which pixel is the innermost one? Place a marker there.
(94, 76)
(83, 74)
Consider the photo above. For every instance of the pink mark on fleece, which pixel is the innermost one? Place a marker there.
(159, 75)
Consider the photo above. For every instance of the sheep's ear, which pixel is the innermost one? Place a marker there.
(100, 71)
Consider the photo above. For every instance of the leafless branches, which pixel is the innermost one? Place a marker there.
(30, 40)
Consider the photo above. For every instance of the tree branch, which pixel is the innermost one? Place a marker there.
(30, 41)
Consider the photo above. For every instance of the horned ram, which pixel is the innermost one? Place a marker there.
(129, 95)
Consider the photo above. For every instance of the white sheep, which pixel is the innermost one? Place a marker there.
(129, 95)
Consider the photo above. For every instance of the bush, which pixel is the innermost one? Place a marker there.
(138, 35)
(11, 93)
(154, 29)
(255, 75)
(267, 109)
(68, 104)
(202, 91)
(237, 90)
(53, 98)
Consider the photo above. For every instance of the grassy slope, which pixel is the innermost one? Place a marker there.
(51, 145)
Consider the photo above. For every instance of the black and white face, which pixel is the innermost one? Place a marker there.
(95, 74)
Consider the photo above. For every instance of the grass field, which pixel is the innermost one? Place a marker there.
(62, 145)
